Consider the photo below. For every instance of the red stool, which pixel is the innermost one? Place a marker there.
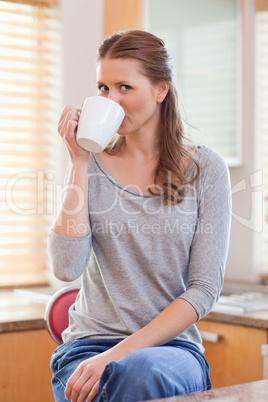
(56, 313)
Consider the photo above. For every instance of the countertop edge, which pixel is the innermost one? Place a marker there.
(248, 320)
(18, 326)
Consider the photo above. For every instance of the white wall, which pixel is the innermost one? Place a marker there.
(81, 34)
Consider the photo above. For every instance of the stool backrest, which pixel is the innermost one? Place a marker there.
(56, 313)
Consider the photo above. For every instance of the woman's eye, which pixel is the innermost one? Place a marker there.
(125, 87)
(103, 88)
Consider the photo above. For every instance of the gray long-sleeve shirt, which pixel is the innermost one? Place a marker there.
(140, 254)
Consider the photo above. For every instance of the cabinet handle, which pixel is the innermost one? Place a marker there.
(210, 336)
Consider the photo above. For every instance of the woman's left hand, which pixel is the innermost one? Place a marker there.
(83, 383)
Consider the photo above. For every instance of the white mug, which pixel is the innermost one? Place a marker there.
(98, 123)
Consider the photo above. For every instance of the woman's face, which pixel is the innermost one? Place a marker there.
(121, 81)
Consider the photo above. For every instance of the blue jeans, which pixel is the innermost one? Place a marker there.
(175, 368)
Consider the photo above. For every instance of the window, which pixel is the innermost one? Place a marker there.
(30, 97)
(204, 39)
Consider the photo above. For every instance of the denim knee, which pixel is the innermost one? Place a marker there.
(68, 356)
(125, 381)
(150, 374)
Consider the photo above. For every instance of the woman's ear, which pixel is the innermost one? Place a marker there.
(163, 88)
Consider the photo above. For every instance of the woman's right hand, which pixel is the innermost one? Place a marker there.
(67, 127)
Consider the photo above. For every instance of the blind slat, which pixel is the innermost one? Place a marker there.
(33, 48)
(20, 269)
(38, 3)
(29, 278)
(33, 25)
(35, 118)
(33, 94)
(33, 164)
(7, 211)
(24, 35)
(17, 258)
(29, 130)
(32, 12)
(30, 71)
(27, 200)
(25, 235)
(29, 141)
(25, 59)
(37, 221)
(27, 155)
(16, 246)
(41, 105)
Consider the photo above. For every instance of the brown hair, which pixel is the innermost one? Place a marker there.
(156, 65)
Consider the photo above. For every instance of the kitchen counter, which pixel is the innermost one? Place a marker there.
(254, 391)
(257, 319)
(24, 309)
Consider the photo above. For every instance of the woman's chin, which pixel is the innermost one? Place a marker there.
(122, 132)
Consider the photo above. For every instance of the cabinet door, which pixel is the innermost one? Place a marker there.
(24, 366)
(236, 357)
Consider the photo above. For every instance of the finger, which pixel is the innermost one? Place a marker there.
(80, 382)
(66, 111)
(72, 115)
(73, 391)
(93, 392)
(82, 388)
(72, 109)
(72, 380)
(88, 390)
(69, 113)
(70, 129)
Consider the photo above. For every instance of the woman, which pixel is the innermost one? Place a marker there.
(150, 240)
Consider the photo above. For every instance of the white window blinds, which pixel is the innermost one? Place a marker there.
(30, 97)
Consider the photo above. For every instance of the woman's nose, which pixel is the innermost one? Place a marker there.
(115, 96)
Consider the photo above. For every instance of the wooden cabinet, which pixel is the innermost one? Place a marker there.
(24, 366)
(236, 357)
